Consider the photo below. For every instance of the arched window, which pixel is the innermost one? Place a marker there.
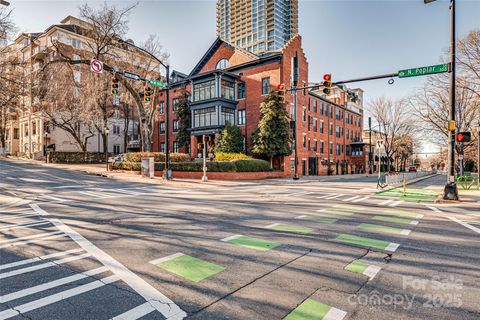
(222, 64)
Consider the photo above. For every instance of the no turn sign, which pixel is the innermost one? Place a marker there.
(96, 66)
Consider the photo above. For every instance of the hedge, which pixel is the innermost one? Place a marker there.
(226, 156)
(159, 156)
(77, 157)
(220, 166)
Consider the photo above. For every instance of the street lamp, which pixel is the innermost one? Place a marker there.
(45, 135)
(450, 192)
(107, 131)
(205, 142)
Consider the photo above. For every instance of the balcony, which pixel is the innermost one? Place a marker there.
(39, 53)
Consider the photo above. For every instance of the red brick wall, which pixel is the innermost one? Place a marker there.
(225, 52)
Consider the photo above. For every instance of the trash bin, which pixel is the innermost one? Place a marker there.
(148, 167)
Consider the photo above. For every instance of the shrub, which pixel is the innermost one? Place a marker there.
(158, 156)
(252, 165)
(127, 166)
(227, 156)
(230, 140)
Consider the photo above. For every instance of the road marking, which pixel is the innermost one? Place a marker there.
(25, 215)
(24, 225)
(53, 198)
(230, 238)
(12, 273)
(311, 309)
(368, 242)
(126, 191)
(73, 186)
(334, 196)
(158, 300)
(289, 228)
(363, 268)
(403, 213)
(93, 194)
(48, 256)
(396, 203)
(136, 313)
(383, 229)
(352, 198)
(20, 243)
(385, 202)
(466, 225)
(273, 225)
(318, 219)
(167, 258)
(51, 284)
(31, 237)
(336, 212)
(15, 311)
(325, 196)
(251, 243)
(361, 199)
(395, 220)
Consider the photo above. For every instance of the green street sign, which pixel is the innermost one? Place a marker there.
(158, 83)
(422, 71)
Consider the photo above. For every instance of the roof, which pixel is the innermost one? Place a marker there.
(215, 45)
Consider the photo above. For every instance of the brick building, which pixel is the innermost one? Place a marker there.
(228, 85)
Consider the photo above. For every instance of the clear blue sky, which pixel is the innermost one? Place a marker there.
(363, 37)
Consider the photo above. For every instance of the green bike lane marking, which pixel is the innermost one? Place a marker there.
(317, 219)
(188, 267)
(367, 242)
(313, 310)
(336, 212)
(251, 243)
(395, 220)
(383, 229)
(402, 213)
(290, 228)
(363, 268)
(410, 195)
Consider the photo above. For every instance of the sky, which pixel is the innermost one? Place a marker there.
(347, 38)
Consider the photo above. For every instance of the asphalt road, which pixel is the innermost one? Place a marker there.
(74, 246)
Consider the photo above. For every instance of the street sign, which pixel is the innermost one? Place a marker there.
(96, 66)
(131, 75)
(422, 71)
(116, 100)
(158, 83)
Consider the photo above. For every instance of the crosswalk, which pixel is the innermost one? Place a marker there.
(369, 199)
(64, 266)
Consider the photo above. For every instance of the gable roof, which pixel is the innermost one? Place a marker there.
(203, 61)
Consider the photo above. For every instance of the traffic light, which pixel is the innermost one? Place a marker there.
(147, 94)
(281, 92)
(327, 83)
(115, 85)
(464, 136)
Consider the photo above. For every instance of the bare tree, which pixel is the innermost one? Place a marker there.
(394, 120)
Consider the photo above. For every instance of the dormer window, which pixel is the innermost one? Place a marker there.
(222, 64)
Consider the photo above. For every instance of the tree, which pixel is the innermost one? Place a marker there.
(184, 120)
(230, 140)
(272, 137)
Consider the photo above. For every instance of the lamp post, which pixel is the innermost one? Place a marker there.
(107, 131)
(45, 135)
(450, 191)
(205, 142)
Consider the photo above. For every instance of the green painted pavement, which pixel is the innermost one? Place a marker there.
(309, 310)
(350, 207)
(356, 266)
(321, 219)
(392, 219)
(379, 228)
(337, 212)
(292, 228)
(411, 194)
(254, 243)
(191, 268)
(362, 241)
(400, 213)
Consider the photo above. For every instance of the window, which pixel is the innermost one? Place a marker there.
(76, 43)
(204, 117)
(308, 144)
(322, 147)
(228, 90)
(15, 133)
(330, 129)
(175, 147)
(34, 128)
(116, 114)
(116, 129)
(204, 91)
(162, 147)
(75, 57)
(337, 114)
(347, 150)
(265, 86)
(227, 116)
(304, 114)
(162, 127)
(241, 117)
(315, 121)
(175, 125)
(314, 105)
(241, 91)
(315, 144)
(310, 121)
(175, 103)
(222, 64)
(162, 107)
(322, 109)
(322, 126)
(304, 140)
(304, 89)
(338, 150)
(116, 148)
(337, 131)
(330, 149)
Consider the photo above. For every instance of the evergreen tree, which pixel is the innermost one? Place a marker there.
(272, 136)
(184, 120)
(230, 140)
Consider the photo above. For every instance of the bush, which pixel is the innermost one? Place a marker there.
(127, 166)
(252, 165)
(158, 156)
(227, 156)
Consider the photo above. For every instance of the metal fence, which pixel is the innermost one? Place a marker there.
(394, 179)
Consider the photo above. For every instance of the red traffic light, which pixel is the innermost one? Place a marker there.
(327, 77)
(281, 87)
(464, 137)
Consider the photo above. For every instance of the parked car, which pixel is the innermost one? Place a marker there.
(412, 169)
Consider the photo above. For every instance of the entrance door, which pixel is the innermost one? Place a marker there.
(304, 167)
(312, 166)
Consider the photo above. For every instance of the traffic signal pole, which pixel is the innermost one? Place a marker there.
(166, 174)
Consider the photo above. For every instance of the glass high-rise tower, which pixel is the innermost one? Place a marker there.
(257, 25)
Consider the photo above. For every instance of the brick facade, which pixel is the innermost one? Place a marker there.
(312, 109)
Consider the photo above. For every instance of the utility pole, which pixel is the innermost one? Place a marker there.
(370, 145)
(295, 83)
(166, 174)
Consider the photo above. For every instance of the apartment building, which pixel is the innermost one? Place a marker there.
(28, 130)
(228, 84)
(257, 25)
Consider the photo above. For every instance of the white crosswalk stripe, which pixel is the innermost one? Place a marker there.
(32, 260)
(334, 196)
(24, 225)
(325, 196)
(352, 198)
(361, 199)
(44, 238)
(136, 313)
(20, 216)
(30, 237)
(385, 202)
(396, 203)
